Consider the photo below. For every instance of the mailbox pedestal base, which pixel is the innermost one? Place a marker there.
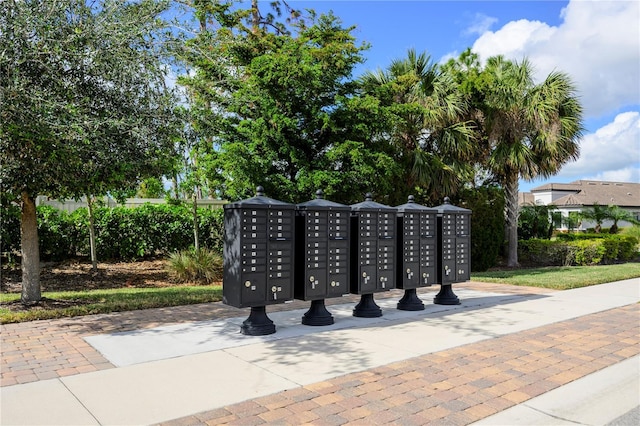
(258, 323)
(317, 314)
(367, 307)
(446, 296)
(410, 301)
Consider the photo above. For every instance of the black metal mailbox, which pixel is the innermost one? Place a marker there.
(322, 253)
(258, 257)
(373, 247)
(417, 258)
(454, 244)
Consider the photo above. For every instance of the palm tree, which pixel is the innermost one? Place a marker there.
(532, 129)
(616, 214)
(597, 213)
(431, 139)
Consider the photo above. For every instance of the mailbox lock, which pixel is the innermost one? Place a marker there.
(333, 283)
(247, 284)
(274, 289)
(312, 278)
(364, 275)
(408, 270)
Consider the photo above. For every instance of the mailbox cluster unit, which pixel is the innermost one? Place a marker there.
(454, 236)
(276, 251)
(323, 239)
(417, 260)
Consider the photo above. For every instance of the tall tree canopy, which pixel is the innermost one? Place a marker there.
(276, 107)
(84, 106)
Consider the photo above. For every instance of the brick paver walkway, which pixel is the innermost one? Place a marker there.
(452, 387)
(455, 386)
(41, 350)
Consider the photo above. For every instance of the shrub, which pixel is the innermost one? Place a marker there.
(55, 230)
(196, 265)
(487, 225)
(9, 229)
(604, 248)
(544, 252)
(586, 252)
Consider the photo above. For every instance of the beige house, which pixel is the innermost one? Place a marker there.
(575, 196)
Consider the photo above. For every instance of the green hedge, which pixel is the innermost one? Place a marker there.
(487, 224)
(122, 233)
(605, 248)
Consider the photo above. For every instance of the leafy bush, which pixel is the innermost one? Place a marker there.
(544, 252)
(9, 229)
(579, 250)
(196, 265)
(55, 232)
(121, 232)
(586, 252)
(487, 225)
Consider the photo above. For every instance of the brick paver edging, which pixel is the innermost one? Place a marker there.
(454, 387)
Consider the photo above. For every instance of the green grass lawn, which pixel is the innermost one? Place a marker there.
(68, 304)
(561, 277)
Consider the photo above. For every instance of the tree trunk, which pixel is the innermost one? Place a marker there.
(511, 205)
(92, 235)
(31, 293)
(195, 222)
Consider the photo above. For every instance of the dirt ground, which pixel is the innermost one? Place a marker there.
(76, 274)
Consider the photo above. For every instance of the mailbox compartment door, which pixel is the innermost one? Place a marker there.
(386, 251)
(409, 251)
(338, 268)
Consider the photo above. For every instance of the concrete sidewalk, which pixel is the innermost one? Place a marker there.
(444, 365)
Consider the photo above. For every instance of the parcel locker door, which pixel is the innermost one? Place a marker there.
(316, 262)
(280, 271)
(463, 272)
(253, 289)
(386, 253)
(338, 268)
(448, 266)
(428, 264)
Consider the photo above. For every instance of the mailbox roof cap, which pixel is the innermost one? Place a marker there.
(369, 204)
(411, 205)
(321, 204)
(447, 207)
(259, 201)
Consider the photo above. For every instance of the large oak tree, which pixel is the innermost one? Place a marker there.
(84, 104)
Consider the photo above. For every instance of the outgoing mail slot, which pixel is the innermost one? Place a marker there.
(454, 243)
(416, 264)
(373, 253)
(258, 257)
(322, 253)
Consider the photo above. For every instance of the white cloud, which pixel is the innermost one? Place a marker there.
(597, 44)
(481, 24)
(611, 153)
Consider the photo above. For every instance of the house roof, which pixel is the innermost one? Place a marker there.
(525, 198)
(590, 192)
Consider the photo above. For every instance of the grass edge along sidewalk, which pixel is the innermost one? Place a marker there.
(127, 299)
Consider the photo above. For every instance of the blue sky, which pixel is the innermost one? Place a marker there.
(596, 42)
